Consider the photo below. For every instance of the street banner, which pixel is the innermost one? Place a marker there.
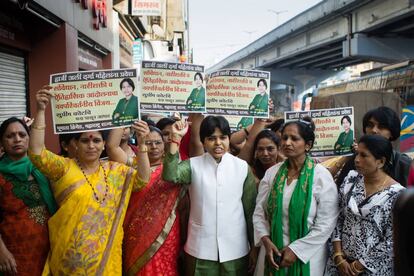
(94, 100)
(169, 87)
(239, 93)
(334, 130)
(137, 52)
(146, 7)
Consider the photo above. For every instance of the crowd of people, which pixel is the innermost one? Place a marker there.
(193, 198)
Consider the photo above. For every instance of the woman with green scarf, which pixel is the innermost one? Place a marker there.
(296, 209)
(26, 203)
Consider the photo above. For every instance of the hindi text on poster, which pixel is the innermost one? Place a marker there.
(94, 100)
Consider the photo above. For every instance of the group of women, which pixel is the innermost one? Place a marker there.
(79, 215)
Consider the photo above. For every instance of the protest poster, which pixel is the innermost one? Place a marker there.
(168, 87)
(237, 122)
(334, 130)
(238, 93)
(93, 100)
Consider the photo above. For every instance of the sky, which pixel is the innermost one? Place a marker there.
(219, 28)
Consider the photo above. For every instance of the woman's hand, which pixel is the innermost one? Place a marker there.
(288, 257)
(345, 268)
(28, 121)
(355, 147)
(43, 97)
(179, 129)
(271, 106)
(141, 131)
(271, 250)
(254, 252)
(7, 261)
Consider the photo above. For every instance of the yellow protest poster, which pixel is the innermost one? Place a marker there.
(94, 100)
(168, 87)
(239, 93)
(334, 129)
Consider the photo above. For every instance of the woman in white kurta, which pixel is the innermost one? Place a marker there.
(307, 254)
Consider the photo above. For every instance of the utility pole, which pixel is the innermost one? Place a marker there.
(250, 34)
(277, 14)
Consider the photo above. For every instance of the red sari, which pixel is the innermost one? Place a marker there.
(151, 229)
(23, 230)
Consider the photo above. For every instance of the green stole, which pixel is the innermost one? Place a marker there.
(19, 171)
(298, 213)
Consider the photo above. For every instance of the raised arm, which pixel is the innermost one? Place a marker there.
(238, 137)
(113, 148)
(50, 164)
(143, 165)
(37, 133)
(196, 147)
(246, 153)
(174, 171)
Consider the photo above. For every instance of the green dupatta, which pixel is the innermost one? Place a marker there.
(298, 213)
(19, 171)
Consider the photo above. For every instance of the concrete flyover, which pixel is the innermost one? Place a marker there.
(328, 37)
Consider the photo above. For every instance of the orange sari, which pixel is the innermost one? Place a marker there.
(151, 229)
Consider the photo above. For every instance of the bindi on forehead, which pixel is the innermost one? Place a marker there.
(91, 136)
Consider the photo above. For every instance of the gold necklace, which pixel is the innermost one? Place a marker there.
(90, 184)
(383, 184)
(291, 177)
(381, 187)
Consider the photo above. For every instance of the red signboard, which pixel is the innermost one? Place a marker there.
(98, 8)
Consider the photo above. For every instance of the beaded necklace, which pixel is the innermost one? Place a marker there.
(90, 184)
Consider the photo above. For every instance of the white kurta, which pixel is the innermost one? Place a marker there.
(217, 228)
(322, 218)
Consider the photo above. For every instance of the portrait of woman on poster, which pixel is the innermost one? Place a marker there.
(346, 138)
(244, 122)
(196, 100)
(259, 105)
(126, 110)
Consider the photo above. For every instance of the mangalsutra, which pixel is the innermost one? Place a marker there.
(90, 184)
(291, 177)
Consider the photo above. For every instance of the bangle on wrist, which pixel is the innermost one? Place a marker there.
(340, 262)
(337, 254)
(38, 127)
(355, 269)
(143, 149)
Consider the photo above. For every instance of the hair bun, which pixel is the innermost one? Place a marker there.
(308, 122)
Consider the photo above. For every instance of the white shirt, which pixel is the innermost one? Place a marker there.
(322, 218)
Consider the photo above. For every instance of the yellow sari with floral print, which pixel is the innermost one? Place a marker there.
(85, 235)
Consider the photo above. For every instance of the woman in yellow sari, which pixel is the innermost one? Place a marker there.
(86, 231)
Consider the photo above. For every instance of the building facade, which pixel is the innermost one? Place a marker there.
(42, 37)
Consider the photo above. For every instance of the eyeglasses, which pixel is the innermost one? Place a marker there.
(154, 142)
